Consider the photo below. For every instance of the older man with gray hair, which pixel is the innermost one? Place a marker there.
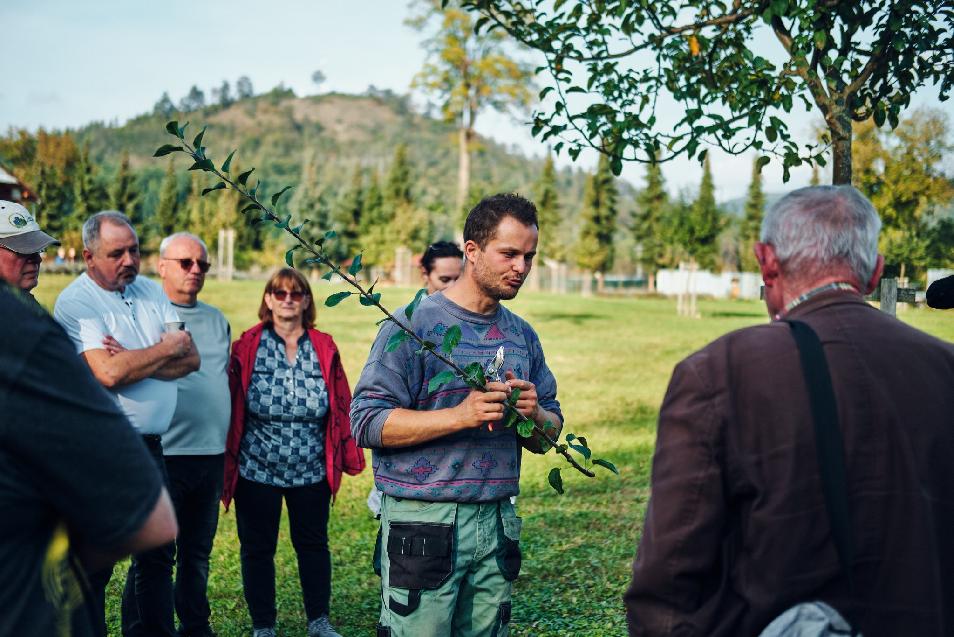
(131, 337)
(194, 445)
(742, 525)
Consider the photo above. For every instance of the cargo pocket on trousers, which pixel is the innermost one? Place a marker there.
(508, 553)
(376, 556)
(419, 558)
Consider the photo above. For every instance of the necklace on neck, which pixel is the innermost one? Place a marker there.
(828, 287)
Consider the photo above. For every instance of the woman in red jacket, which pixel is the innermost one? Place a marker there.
(289, 439)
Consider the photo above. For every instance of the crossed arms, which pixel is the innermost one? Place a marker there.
(174, 356)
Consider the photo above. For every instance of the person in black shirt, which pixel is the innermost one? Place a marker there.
(78, 489)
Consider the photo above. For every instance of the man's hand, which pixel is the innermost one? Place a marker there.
(177, 344)
(112, 346)
(481, 407)
(527, 403)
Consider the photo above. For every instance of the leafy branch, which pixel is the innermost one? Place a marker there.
(315, 255)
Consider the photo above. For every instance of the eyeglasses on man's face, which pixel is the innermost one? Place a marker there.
(296, 296)
(186, 264)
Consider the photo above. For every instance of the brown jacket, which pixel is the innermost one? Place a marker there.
(736, 529)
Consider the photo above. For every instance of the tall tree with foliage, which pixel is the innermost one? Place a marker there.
(649, 223)
(705, 223)
(549, 245)
(348, 216)
(167, 210)
(377, 231)
(466, 72)
(412, 228)
(123, 196)
(89, 196)
(847, 61)
(903, 175)
(751, 222)
(594, 251)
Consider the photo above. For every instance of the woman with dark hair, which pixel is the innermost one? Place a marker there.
(289, 439)
(441, 265)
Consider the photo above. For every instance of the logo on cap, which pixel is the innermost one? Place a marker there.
(17, 220)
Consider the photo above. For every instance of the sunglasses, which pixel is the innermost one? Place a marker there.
(296, 296)
(186, 264)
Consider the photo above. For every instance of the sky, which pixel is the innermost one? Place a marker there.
(109, 60)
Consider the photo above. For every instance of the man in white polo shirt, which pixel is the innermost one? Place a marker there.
(126, 330)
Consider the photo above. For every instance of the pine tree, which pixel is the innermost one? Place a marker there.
(548, 215)
(167, 211)
(594, 251)
(411, 227)
(752, 222)
(348, 217)
(397, 187)
(705, 222)
(649, 223)
(83, 187)
(123, 196)
(377, 232)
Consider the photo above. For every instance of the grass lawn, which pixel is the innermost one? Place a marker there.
(612, 359)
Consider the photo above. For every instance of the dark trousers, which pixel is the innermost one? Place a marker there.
(147, 598)
(195, 485)
(258, 509)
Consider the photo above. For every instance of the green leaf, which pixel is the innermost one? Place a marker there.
(395, 341)
(580, 449)
(409, 310)
(762, 162)
(525, 428)
(365, 301)
(180, 132)
(337, 298)
(355, 266)
(313, 261)
(556, 480)
(327, 275)
(606, 464)
(203, 164)
(165, 149)
(474, 374)
(331, 234)
(821, 38)
(227, 164)
(250, 208)
(444, 377)
(451, 338)
(173, 128)
(281, 225)
(278, 195)
(289, 257)
(218, 186)
(197, 142)
(243, 178)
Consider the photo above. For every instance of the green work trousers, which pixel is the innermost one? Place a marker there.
(447, 568)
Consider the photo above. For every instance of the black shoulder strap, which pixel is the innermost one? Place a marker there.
(829, 445)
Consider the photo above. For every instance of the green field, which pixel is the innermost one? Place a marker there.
(612, 359)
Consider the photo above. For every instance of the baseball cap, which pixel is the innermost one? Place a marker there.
(20, 232)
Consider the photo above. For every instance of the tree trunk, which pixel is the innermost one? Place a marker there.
(463, 167)
(840, 129)
(651, 281)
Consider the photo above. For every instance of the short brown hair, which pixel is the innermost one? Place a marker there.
(299, 283)
(481, 224)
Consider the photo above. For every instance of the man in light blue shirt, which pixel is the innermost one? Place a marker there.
(123, 326)
(194, 445)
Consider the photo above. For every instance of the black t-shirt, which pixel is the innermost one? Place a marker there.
(72, 470)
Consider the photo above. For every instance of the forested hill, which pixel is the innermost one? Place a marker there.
(318, 143)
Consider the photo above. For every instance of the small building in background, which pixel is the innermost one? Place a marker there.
(12, 189)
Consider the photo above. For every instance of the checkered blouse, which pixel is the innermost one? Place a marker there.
(283, 444)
